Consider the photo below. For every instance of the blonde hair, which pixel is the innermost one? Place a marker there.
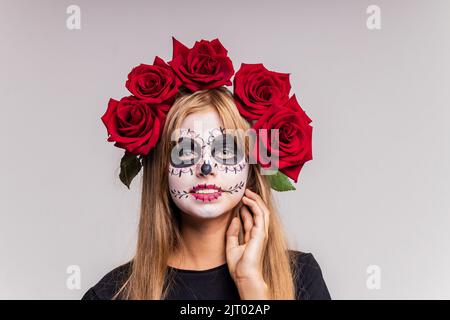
(159, 224)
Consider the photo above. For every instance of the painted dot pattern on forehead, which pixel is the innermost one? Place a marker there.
(214, 132)
(191, 134)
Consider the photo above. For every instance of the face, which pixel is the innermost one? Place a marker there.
(208, 169)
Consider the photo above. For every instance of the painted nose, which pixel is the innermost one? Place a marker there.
(206, 168)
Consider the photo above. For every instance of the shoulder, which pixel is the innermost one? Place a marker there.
(310, 284)
(107, 287)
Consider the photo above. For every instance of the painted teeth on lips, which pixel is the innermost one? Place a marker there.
(206, 188)
(204, 192)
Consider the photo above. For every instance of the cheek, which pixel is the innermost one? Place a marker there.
(175, 181)
(179, 190)
(234, 181)
(179, 180)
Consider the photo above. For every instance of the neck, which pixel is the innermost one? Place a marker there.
(204, 243)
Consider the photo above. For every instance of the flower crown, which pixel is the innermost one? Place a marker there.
(135, 122)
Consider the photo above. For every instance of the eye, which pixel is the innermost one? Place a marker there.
(185, 153)
(226, 149)
(224, 153)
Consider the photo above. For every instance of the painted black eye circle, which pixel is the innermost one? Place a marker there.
(227, 149)
(185, 153)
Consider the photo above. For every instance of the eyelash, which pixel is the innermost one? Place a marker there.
(236, 168)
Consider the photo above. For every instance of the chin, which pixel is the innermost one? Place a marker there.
(207, 210)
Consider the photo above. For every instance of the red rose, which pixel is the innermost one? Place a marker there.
(256, 89)
(295, 136)
(155, 83)
(205, 66)
(133, 124)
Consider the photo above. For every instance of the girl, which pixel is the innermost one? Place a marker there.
(208, 226)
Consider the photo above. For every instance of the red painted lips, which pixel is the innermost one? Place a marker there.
(206, 192)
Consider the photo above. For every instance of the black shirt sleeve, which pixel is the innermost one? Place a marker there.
(310, 284)
(90, 295)
(107, 287)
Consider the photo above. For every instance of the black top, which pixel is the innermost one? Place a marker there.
(216, 283)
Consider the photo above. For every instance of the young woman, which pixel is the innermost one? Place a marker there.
(208, 225)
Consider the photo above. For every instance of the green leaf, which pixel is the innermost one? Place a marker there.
(280, 182)
(130, 165)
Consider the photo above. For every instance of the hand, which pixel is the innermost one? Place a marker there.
(245, 260)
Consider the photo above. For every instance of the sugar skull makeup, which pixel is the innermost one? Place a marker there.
(208, 169)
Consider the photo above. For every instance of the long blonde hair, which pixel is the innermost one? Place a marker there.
(159, 224)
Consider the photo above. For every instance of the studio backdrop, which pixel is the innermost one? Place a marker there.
(373, 205)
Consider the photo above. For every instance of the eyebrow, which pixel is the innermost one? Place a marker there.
(189, 133)
(189, 130)
(184, 132)
(221, 129)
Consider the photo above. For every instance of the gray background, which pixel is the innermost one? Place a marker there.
(376, 192)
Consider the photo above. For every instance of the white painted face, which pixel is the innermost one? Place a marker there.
(208, 169)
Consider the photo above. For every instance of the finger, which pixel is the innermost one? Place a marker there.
(248, 222)
(254, 196)
(262, 205)
(232, 233)
(258, 217)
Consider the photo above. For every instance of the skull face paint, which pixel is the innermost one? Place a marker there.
(208, 169)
